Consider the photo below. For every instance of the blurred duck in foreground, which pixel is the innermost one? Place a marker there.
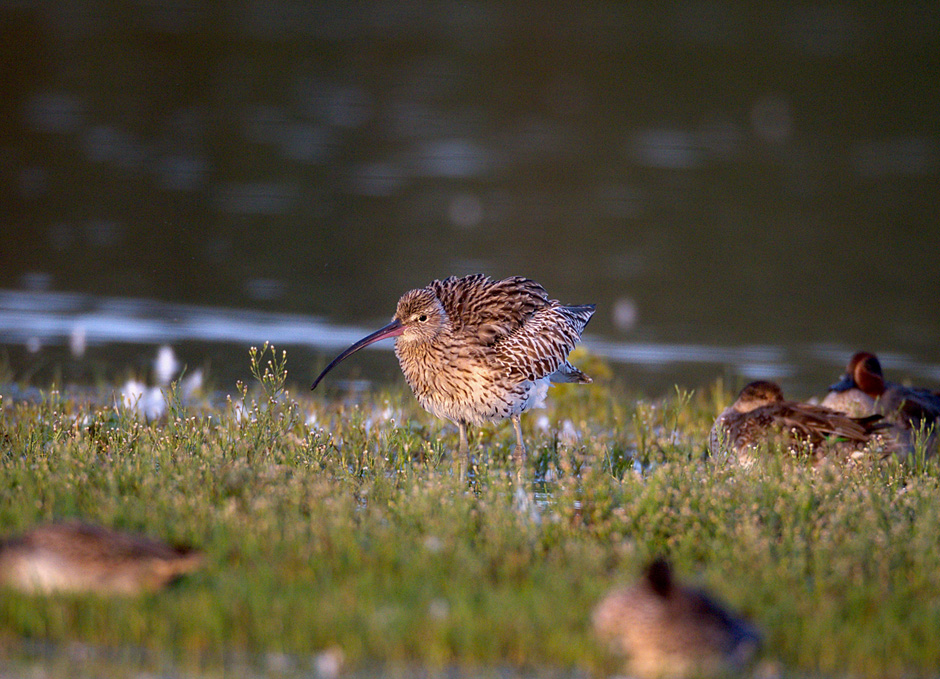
(863, 390)
(761, 416)
(668, 630)
(77, 557)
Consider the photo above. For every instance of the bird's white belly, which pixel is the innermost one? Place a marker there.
(477, 398)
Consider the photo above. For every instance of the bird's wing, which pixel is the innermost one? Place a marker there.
(816, 422)
(540, 346)
(486, 311)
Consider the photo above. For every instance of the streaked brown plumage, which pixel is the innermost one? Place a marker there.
(760, 415)
(80, 557)
(475, 350)
(915, 413)
(668, 630)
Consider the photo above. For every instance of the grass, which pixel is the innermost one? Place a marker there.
(343, 523)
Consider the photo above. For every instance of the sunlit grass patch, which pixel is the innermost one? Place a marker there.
(346, 523)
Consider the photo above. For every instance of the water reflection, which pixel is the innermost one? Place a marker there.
(718, 181)
(42, 319)
(54, 112)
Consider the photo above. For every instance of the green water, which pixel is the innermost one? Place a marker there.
(707, 174)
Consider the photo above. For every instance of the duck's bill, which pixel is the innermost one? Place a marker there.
(393, 329)
(843, 384)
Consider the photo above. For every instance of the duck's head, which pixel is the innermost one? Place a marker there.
(758, 394)
(863, 372)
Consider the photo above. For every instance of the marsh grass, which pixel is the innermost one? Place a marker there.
(341, 521)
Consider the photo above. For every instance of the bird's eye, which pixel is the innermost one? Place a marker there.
(422, 318)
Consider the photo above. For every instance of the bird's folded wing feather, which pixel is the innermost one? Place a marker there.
(538, 348)
(485, 311)
(817, 422)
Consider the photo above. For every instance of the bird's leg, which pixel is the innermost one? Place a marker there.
(518, 454)
(463, 452)
(464, 447)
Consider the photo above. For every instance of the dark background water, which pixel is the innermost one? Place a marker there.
(743, 191)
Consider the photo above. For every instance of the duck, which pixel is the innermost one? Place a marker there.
(914, 413)
(78, 557)
(666, 629)
(761, 415)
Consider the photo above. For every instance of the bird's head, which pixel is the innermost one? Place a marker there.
(421, 316)
(758, 394)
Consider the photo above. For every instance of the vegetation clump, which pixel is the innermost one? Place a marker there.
(345, 522)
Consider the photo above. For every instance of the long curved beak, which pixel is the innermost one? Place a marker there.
(393, 329)
(844, 384)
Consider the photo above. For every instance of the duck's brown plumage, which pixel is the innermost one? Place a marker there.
(914, 412)
(668, 630)
(760, 415)
(82, 557)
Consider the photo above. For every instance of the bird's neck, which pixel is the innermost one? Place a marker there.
(420, 363)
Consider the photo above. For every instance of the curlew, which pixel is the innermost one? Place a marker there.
(760, 414)
(81, 557)
(668, 630)
(474, 350)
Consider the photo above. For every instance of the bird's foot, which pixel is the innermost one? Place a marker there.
(469, 468)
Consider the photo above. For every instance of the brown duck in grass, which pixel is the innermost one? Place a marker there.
(668, 630)
(79, 558)
(863, 390)
(761, 416)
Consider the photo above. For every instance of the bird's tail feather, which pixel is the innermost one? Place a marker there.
(580, 315)
(568, 373)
